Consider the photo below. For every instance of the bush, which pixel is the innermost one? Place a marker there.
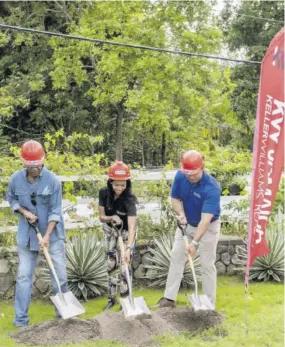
(159, 262)
(268, 267)
(86, 266)
(228, 166)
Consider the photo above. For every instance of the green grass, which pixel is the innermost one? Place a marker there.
(265, 319)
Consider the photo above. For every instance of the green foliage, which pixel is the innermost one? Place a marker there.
(147, 229)
(8, 239)
(28, 103)
(268, 267)
(86, 266)
(249, 26)
(159, 262)
(227, 165)
(159, 192)
(237, 222)
(62, 158)
(150, 105)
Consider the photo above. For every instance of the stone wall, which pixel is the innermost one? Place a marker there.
(226, 257)
(8, 271)
(226, 262)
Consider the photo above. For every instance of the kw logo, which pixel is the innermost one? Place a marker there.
(278, 58)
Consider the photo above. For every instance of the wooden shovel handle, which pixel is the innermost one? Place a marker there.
(191, 264)
(188, 255)
(45, 251)
(47, 256)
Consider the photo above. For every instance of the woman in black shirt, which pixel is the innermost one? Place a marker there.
(117, 205)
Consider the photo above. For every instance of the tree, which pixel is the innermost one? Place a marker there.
(29, 107)
(141, 89)
(249, 26)
(151, 106)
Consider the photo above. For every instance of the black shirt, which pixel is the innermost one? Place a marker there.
(122, 206)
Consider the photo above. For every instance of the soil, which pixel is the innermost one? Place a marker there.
(51, 333)
(113, 326)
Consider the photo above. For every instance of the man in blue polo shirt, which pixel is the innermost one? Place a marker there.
(195, 198)
(35, 194)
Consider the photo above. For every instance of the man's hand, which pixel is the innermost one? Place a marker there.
(181, 219)
(128, 256)
(192, 250)
(116, 219)
(31, 218)
(44, 242)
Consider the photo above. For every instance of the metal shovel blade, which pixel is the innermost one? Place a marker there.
(200, 302)
(135, 308)
(67, 305)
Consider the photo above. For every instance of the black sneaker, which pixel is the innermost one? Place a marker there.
(111, 303)
(163, 302)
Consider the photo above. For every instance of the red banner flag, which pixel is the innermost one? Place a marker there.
(268, 151)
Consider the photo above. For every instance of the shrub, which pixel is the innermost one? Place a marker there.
(268, 267)
(86, 266)
(159, 262)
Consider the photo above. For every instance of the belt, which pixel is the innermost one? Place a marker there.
(195, 225)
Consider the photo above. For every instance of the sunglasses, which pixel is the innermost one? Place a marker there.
(33, 199)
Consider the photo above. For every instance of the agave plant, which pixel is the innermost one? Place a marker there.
(158, 263)
(266, 267)
(86, 266)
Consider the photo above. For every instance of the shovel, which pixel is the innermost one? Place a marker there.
(66, 303)
(198, 302)
(132, 307)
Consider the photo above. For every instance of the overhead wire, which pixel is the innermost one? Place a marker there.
(262, 18)
(120, 44)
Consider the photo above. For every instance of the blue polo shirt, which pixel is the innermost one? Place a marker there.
(201, 197)
(48, 196)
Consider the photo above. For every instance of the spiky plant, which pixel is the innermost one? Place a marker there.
(158, 263)
(268, 267)
(86, 266)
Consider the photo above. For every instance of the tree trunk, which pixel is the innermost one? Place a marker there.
(142, 153)
(163, 149)
(118, 130)
(154, 163)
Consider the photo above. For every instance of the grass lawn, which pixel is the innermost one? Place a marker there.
(265, 322)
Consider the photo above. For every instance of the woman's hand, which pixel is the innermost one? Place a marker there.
(116, 219)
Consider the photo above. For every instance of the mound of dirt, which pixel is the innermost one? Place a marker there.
(186, 319)
(51, 333)
(136, 332)
(113, 326)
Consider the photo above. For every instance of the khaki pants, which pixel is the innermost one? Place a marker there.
(207, 251)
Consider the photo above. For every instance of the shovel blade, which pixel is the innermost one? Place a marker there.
(135, 309)
(200, 302)
(67, 305)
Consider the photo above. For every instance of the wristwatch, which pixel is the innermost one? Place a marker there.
(195, 243)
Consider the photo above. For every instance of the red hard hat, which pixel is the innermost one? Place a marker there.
(32, 153)
(119, 171)
(191, 162)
